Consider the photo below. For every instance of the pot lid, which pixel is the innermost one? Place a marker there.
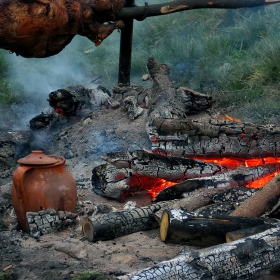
(37, 158)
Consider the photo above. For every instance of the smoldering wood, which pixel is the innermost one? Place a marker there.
(194, 201)
(115, 224)
(216, 209)
(69, 101)
(246, 258)
(176, 131)
(240, 177)
(193, 229)
(264, 200)
(68, 106)
(140, 170)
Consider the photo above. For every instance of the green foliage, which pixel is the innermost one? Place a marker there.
(90, 275)
(7, 91)
(8, 276)
(232, 54)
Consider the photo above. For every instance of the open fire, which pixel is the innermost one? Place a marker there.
(155, 185)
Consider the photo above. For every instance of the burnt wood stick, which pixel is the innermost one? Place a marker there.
(262, 201)
(212, 136)
(246, 258)
(174, 132)
(115, 224)
(245, 232)
(218, 200)
(139, 170)
(240, 177)
(188, 228)
(140, 13)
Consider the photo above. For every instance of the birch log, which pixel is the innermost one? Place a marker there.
(246, 258)
(264, 200)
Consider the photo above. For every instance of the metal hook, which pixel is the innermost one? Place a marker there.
(146, 12)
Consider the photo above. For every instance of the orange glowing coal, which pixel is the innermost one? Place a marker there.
(153, 186)
(231, 118)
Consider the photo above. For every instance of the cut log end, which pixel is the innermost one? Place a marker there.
(87, 228)
(164, 225)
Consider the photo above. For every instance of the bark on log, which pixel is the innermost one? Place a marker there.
(115, 224)
(264, 200)
(246, 258)
(182, 227)
(173, 131)
(243, 233)
(139, 170)
(241, 177)
(210, 201)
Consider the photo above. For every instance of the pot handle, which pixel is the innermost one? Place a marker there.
(18, 179)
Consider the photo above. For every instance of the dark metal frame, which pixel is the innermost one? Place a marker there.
(130, 12)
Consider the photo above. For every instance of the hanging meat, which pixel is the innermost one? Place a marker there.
(42, 28)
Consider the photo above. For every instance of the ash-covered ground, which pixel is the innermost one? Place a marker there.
(63, 255)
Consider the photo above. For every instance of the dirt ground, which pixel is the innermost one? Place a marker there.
(65, 254)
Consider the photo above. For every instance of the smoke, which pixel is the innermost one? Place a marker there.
(35, 78)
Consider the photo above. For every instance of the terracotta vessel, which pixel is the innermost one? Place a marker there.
(42, 182)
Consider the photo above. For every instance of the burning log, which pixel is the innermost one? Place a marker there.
(181, 227)
(43, 28)
(263, 201)
(241, 177)
(140, 170)
(175, 130)
(246, 258)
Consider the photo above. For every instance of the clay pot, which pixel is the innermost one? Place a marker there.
(42, 182)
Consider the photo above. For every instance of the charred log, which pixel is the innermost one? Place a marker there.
(69, 106)
(115, 224)
(241, 177)
(140, 170)
(246, 258)
(175, 131)
(181, 227)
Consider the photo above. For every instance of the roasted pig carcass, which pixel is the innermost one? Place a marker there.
(42, 28)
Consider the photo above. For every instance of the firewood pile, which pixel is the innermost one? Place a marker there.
(212, 180)
(201, 173)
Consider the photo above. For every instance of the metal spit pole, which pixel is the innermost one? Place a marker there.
(126, 49)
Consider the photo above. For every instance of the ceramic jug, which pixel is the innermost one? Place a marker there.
(42, 182)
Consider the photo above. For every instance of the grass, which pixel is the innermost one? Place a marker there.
(233, 55)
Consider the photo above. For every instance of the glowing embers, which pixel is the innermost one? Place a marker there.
(233, 163)
(152, 185)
